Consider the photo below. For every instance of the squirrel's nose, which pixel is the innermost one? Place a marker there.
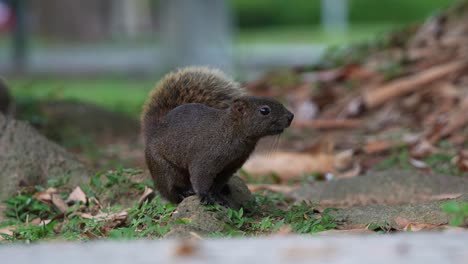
(290, 117)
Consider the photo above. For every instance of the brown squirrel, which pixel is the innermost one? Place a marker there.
(199, 128)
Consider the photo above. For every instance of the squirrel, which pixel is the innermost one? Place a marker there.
(199, 128)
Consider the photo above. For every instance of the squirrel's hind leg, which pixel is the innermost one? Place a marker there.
(202, 183)
(171, 183)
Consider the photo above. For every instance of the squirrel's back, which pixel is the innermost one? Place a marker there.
(188, 85)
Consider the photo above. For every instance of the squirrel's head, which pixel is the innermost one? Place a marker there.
(261, 116)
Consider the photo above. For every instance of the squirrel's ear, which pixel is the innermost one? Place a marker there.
(239, 106)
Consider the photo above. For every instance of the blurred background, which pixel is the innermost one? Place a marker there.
(115, 45)
(150, 37)
(97, 50)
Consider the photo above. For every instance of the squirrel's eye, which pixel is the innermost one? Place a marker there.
(264, 110)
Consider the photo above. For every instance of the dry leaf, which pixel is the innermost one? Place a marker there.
(148, 194)
(8, 231)
(344, 160)
(375, 147)
(419, 164)
(415, 227)
(59, 203)
(461, 160)
(35, 221)
(272, 187)
(284, 230)
(406, 225)
(120, 216)
(77, 195)
(422, 149)
(43, 197)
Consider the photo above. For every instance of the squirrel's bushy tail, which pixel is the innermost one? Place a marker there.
(188, 85)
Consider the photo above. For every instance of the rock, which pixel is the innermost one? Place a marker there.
(240, 194)
(28, 158)
(389, 187)
(5, 99)
(202, 222)
(198, 220)
(391, 216)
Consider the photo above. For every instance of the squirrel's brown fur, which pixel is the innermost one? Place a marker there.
(189, 85)
(199, 129)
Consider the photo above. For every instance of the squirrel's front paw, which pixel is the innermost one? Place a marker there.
(208, 199)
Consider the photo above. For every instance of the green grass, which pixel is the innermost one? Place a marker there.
(121, 95)
(106, 193)
(261, 13)
(437, 162)
(312, 34)
(457, 211)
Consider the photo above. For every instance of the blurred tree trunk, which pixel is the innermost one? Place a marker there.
(334, 15)
(72, 19)
(196, 33)
(130, 17)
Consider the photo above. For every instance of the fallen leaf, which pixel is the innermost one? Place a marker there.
(344, 160)
(415, 227)
(59, 203)
(46, 196)
(6, 231)
(419, 164)
(284, 230)
(147, 195)
(272, 187)
(375, 147)
(461, 160)
(43, 197)
(119, 216)
(406, 225)
(422, 149)
(77, 195)
(35, 221)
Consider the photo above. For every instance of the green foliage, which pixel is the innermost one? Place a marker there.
(381, 228)
(458, 212)
(391, 69)
(438, 162)
(441, 163)
(117, 94)
(398, 11)
(24, 207)
(276, 212)
(101, 183)
(149, 220)
(263, 13)
(276, 12)
(31, 233)
(154, 216)
(399, 158)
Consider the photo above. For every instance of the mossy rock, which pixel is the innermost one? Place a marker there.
(27, 158)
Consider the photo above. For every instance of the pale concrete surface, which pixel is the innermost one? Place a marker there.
(403, 248)
(250, 61)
